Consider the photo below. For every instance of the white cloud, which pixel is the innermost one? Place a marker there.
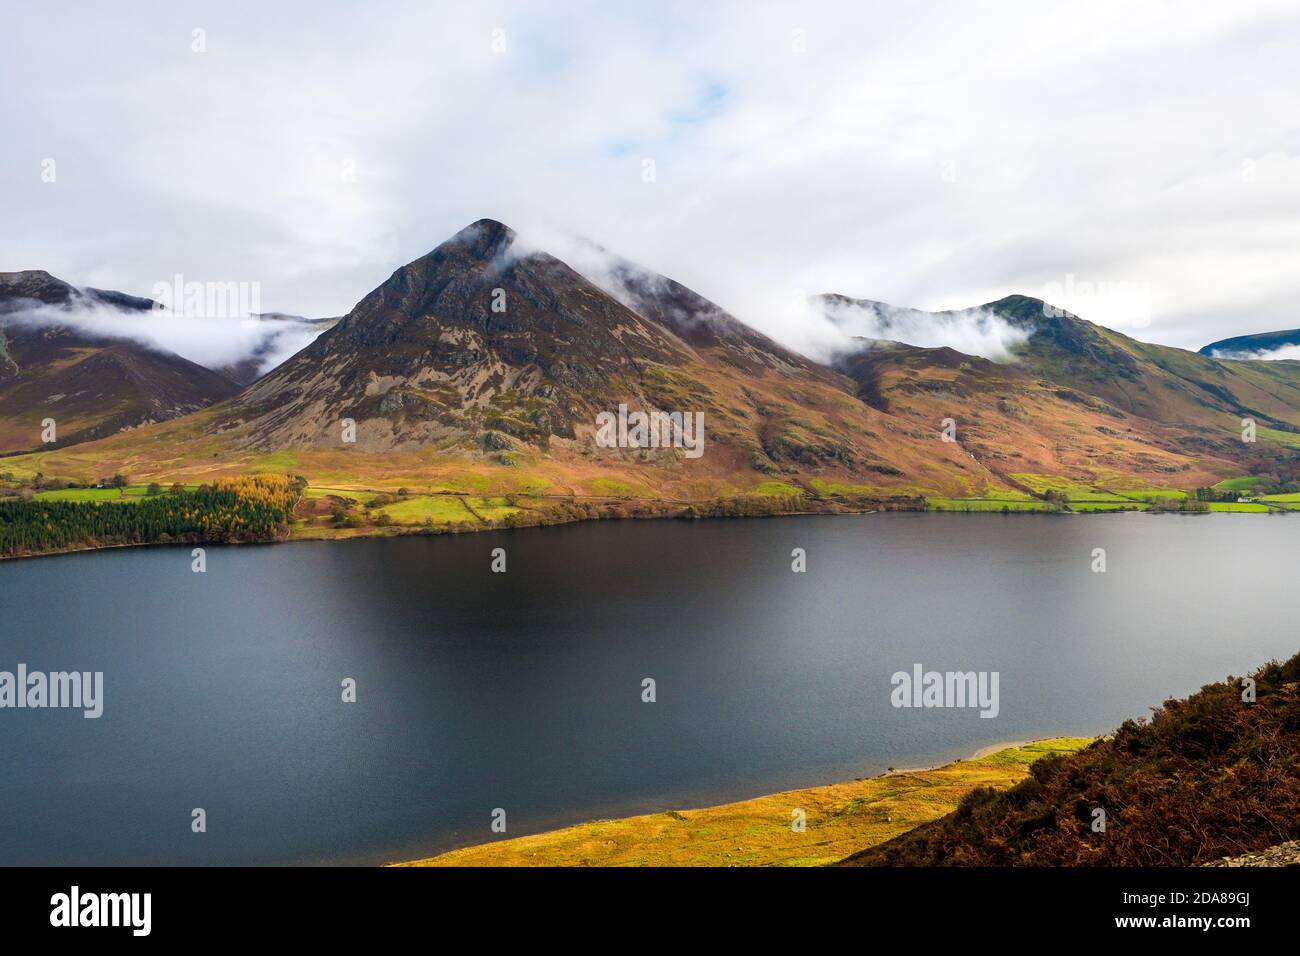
(934, 155)
(216, 343)
(1283, 353)
(973, 331)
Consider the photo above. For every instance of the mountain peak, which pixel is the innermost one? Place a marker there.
(484, 239)
(34, 284)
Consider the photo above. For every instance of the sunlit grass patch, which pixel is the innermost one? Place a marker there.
(1151, 494)
(1004, 494)
(611, 487)
(1277, 436)
(777, 489)
(89, 494)
(1244, 483)
(840, 819)
(494, 509)
(130, 493)
(440, 509)
(1083, 506)
(839, 489)
(1041, 484)
(1030, 752)
(986, 504)
(337, 492)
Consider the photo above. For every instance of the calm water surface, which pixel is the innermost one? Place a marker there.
(523, 690)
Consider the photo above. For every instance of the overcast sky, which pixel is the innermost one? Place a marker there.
(928, 155)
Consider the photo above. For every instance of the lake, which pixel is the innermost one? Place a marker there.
(522, 690)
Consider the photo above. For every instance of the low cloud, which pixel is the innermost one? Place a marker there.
(254, 344)
(975, 331)
(1283, 353)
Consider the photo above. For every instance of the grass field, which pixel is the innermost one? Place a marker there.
(1244, 483)
(1151, 494)
(1238, 507)
(1125, 505)
(777, 489)
(361, 496)
(985, 504)
(1092, 493)
(493, 509)
(840, 819)
(128, 494)
(1041, 484)
(440, 509)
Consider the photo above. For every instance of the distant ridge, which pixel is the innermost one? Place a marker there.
(1251, 346)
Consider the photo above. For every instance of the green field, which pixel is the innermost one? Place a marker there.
(838, 489)
(440, 509)
(985, 504)
(777, 489)
(447, 509)
(361, 496)
(130, 493)
(493, 509)
(1244, 483)
(1151, 494)
(1238, 507)
(1076, 490)
(1082, 506)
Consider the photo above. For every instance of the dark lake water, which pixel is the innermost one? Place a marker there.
(522, 690)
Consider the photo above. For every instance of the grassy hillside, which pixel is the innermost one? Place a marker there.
(1206, 777)
(840, 818)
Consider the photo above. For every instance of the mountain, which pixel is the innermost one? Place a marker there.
(1163, 384)
(1252, 346)
(1078, 398)
(485, 364)
(426, 359)
(91, 385)
(1208, 776)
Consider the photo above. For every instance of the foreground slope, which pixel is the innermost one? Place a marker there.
(91, 385)
(1207, 777)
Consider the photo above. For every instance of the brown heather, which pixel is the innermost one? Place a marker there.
(1205, 778)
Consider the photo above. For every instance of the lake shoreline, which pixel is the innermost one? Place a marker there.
(755, 831)
(327, 533)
